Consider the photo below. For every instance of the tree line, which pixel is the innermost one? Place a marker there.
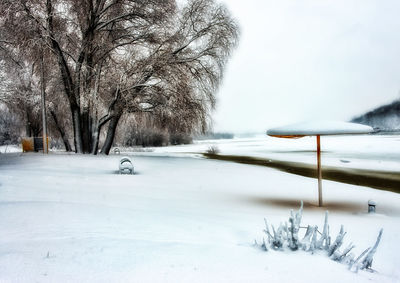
(103, 63)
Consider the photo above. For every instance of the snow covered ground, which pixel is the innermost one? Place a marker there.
(10, 148)
(72, 218)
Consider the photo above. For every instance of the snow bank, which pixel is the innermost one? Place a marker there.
(10, 148)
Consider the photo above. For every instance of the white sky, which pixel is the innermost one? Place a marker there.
(302, 60)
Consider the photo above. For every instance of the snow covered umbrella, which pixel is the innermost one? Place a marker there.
(318, 129)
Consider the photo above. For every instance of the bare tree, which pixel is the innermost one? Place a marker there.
(126, 56)
(20, 91)
(178, 78)
(81, 35)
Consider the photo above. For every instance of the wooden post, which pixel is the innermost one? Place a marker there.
(319, 170)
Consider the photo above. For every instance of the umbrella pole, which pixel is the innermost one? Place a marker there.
(319, 170)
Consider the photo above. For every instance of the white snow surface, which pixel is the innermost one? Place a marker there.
(10, 148)
(321, 128)
(73, 218)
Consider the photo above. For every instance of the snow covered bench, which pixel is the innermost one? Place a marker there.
(125, 166)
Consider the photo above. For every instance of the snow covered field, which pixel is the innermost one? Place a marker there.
(72, 218)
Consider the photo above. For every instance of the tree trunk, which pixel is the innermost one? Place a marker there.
(96, 134)
(69, 86)
(86, 131)
(112, 126)
(114, 114)
(90, 88)
(76, 119)
(95, 138)
(61, 131)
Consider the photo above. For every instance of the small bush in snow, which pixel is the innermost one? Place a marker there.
(287, 236)
(213, 150)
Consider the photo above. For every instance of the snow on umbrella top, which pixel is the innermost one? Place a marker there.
(319, 128)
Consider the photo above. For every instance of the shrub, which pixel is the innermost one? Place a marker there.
(9, 127)
(180, 138)
(213, 150)
(287, 235)
(145, 138)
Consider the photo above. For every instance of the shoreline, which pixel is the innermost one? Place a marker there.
(381, 180)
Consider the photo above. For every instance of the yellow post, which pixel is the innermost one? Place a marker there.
(319, 170)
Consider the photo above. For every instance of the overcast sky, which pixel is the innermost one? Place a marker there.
(302, 60)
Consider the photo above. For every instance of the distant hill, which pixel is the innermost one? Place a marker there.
(384, 118)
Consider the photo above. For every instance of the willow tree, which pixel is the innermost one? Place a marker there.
(82, 35)
(126, 56)
(176, 75)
